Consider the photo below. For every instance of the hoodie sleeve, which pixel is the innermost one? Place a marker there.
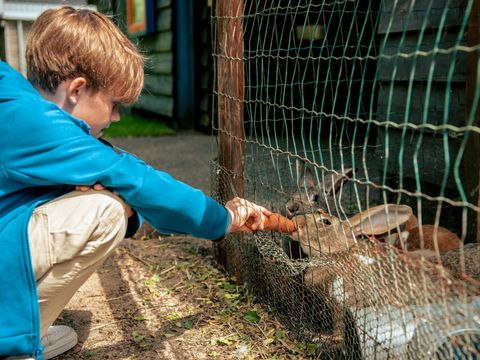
(56, 149)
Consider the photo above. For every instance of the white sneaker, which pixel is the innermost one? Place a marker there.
(59, 338)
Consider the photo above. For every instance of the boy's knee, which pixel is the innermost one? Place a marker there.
(108, 203)
(111, 209)
(110, 220)
(103, 210)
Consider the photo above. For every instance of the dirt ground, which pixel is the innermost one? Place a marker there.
(164, 297)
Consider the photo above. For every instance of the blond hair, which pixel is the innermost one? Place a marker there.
(66, 43)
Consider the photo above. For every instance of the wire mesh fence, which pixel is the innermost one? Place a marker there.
(358, 120)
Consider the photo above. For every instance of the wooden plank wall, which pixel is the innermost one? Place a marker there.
(393, 76)
(472, 150)
(11, 44)
(161, 85)
(158, 95)
(11, 53)
(428, 155)
(204, 66)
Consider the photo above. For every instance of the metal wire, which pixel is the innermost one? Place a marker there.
(368, 96)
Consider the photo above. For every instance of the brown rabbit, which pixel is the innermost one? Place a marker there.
(343, 265)
(312, 195)
(347, 260)
(353, 273)
(324, 234)
(423, 240)
(353, 261)
(429, 237)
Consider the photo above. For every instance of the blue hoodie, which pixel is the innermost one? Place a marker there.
(44, 153)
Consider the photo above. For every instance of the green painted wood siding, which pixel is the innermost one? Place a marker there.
(401, 35)
(205, 64)
(158, 94)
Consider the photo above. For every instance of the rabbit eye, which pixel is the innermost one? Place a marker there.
(326, 222)
(315, 198)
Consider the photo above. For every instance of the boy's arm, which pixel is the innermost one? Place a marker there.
(56, 151)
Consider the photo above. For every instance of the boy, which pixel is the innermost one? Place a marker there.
(52, 238)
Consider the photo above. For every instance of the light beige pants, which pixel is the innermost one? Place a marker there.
(70, 237)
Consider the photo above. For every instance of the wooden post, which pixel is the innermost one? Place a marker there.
(230, 87)
(472, 150)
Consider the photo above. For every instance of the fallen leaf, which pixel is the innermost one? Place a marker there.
(252, 316)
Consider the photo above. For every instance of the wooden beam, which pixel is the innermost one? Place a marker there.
(230, 100)
(230, 86)
(472, 150)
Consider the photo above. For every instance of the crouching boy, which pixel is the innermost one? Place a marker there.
(81, 68)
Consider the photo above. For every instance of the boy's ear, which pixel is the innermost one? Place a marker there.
(75, 89)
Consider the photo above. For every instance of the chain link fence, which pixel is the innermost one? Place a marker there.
(358, 120)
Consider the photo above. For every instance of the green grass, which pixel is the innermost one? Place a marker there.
(131, 125)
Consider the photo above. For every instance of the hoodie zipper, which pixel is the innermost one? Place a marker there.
(39, 353)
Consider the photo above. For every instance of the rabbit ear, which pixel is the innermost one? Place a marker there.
(380, 219)
(305, 174)
(333, 181)
(299, 167)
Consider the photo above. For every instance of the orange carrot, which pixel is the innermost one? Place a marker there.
(276, 222)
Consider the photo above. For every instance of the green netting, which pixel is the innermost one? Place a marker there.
(380, 99)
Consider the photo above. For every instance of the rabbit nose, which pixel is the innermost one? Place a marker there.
(292, 210)
(285, 212)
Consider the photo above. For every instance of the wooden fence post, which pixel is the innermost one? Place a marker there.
(472, 150)
(230, 95)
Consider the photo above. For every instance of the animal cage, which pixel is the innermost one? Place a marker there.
(359, 121)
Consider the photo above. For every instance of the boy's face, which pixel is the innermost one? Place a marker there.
(98, 109)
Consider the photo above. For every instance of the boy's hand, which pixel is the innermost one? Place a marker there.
(100, 187)
(241, 210)
(85, 188)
